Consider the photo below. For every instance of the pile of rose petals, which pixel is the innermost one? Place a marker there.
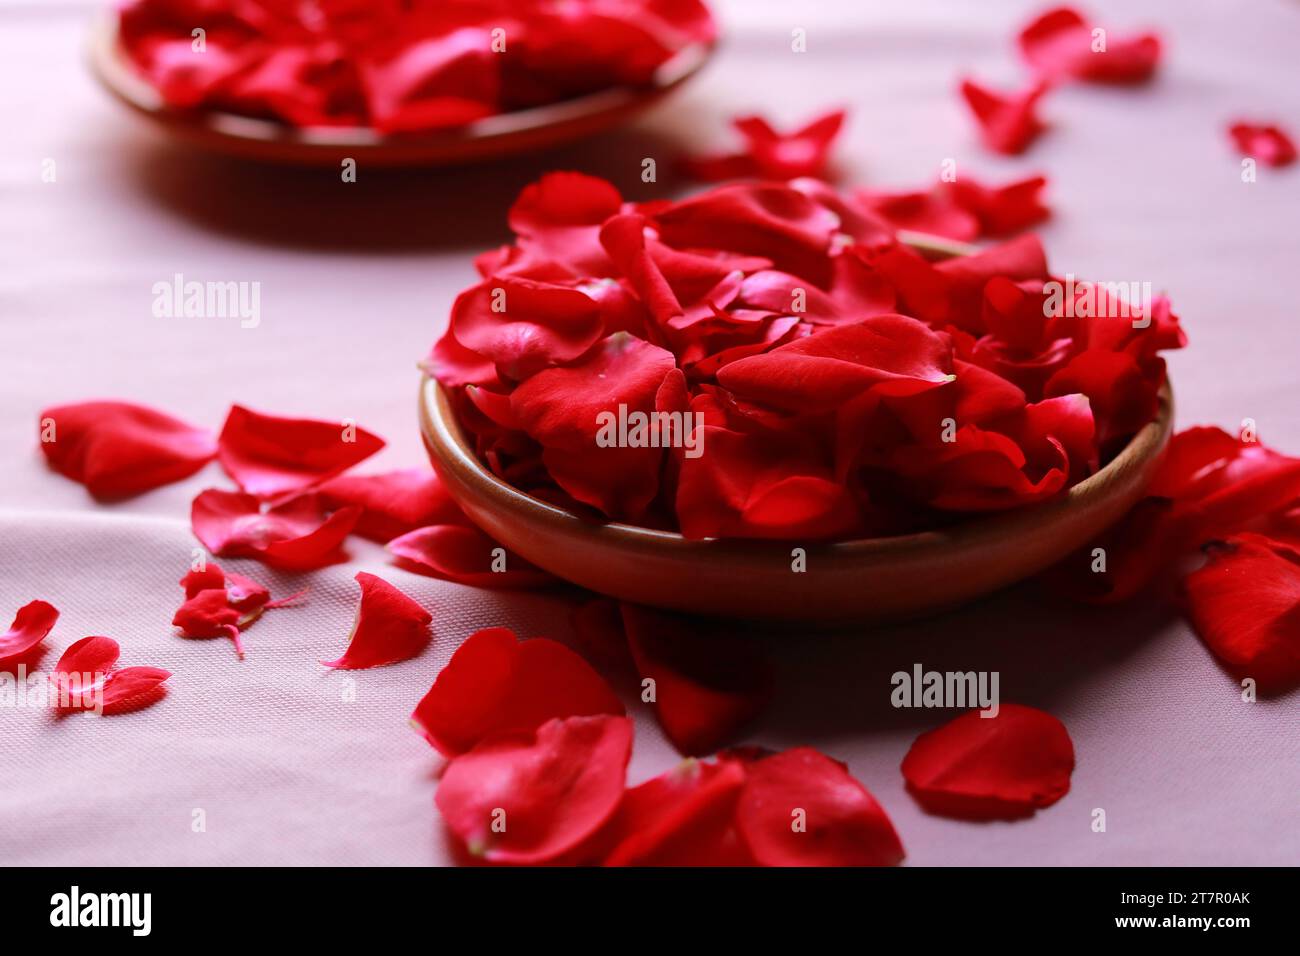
(838, 384)
(400, 65)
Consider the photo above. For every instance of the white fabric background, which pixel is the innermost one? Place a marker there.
(356, 280)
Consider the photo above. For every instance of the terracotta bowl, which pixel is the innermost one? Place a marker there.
(496, 136)
(868, 580)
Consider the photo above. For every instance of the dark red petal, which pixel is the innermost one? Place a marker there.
(684, 817)
(389, 627)
(1267, 144)
(32, 622)
(1008, 123)
(547, 791)
(394, 502)
(1245, 605)
(270, 456)
(117, 449)
(523, 325)
(494, 684)
(988, 768)
(1059, 43)
(801, 808)
(464, 554)
(821, 372)
(209, 614)
(558, 219)
(598, 632)
(707, 684)
(296, 535)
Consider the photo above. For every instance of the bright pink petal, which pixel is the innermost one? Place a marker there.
(1007, 121)
(32, 622)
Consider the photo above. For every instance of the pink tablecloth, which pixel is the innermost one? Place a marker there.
(356, 280)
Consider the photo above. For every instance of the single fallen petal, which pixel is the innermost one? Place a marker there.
(495, 684)
(1245, 605)
(464, 554)
(210, 614)
(537, 796)
(683, 817)
(132, 688)
(1269, 145)
(987, 768)
(801, 808)
(32, 622)
(772, 155)
(706, 685)
(269, 456)
(117, 449)
(389, 627)
(1060, 43)
(1007, 121)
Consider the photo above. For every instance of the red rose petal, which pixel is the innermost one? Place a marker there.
(929, 212)
(464, 554)
(296, 535)
(524, 326)
(684, 817)
(209, 614)
(1008, 123)
(893, 352)
(270, 456)
(495, 684)
(558, 219)
(537, 796)
(1060, 43)
(1269, 145)
(1001, 210)
(989, 768)
(117, 449)
(770, 154)
(394, 502)
(707, 685)
(801, 808)
(389, 627)
(32, 622)
(1245, 605)
(85, 679)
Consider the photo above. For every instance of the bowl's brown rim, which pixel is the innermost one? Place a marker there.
(445, 436)
(112, 68)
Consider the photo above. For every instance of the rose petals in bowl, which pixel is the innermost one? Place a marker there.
(409, 84)
(803, 363)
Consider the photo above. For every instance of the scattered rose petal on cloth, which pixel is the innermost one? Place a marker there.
(85, 678)
(464, 554)
(31, 623)
(537, 796)
(118, 449)
(295, 536)
(1007, 121)
(270, 457)
(1245, 605)
(1061, 44)
(801, 808)
(683, 817)
(389, 627)
(707, 683)
(770, 154)
(991, 768)
(1269, 145)
(495, 683)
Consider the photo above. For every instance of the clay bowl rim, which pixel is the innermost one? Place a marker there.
(500, 135)
(446, 441)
